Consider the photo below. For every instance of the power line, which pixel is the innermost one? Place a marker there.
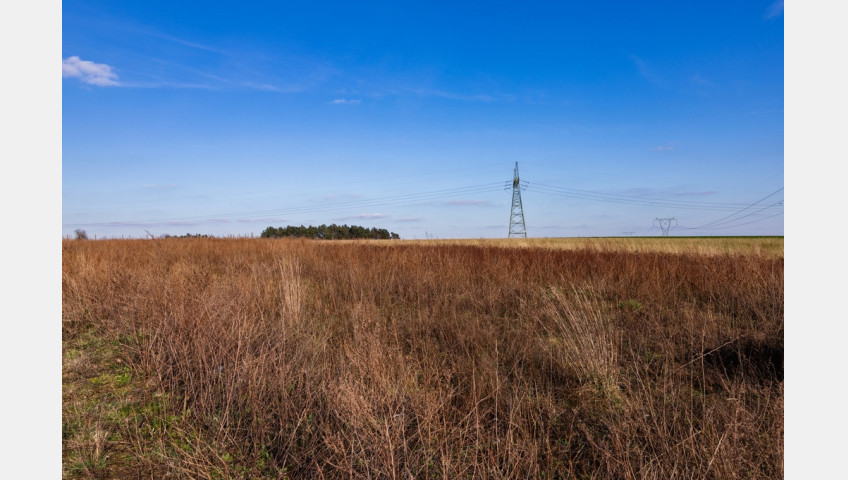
(517, 226)
(412, 179)
(383, 201)
(722, 224)
(742, 224)
(742, 210)
(631, 199)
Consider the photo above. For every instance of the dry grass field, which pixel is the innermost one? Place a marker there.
(581, 358)
(759, 246)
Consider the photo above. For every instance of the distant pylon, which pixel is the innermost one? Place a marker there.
(665, 224)
(516, 214)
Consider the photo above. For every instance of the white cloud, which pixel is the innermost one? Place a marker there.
(89, 72)
(345, 101)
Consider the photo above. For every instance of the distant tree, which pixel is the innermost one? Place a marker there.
(187, 235)
(80, 234)
(329, 232)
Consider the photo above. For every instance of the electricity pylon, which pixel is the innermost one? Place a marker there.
(665, 224)
(516, 214)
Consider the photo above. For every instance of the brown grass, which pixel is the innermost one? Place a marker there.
(709, 246)
(308, 359)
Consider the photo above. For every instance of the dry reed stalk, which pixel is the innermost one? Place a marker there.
(339, 359)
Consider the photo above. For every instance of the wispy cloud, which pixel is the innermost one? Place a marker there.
(460, 203)
(638, 192)
(223, 84)
(169, 84)
(191, 145)
(184, 223)
(159, 187)
(646, 71)
(700, 81)
(774, 10)
(178, 40)
(153, 58)
(679, 191)
(148, 224)
(334, 197)
(426, 92)
(89, 72)
(267, 87)
(363, 216)
(695, 194)
(345, 101)
(583, 226)
(177, 224)
(126, 27)
(663, 148)
(271, 220)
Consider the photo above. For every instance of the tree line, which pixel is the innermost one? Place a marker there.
(330, 232)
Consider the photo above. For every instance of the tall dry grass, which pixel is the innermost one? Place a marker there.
(708, 246)
(312, 360)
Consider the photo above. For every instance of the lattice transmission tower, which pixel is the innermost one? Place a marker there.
(516, 214)
(665, 224)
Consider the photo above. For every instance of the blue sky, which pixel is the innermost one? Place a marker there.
(197, 117)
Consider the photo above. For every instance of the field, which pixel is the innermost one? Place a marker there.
(759, 246)
(564, 358)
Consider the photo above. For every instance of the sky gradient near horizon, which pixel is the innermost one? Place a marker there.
(221, 118)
